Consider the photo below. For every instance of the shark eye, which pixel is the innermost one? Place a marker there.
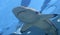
(36, 12)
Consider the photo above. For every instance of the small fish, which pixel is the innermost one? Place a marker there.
(31, 17)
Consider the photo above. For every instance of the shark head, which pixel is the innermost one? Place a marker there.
(25, 14)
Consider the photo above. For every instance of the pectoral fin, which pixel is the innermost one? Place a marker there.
(25, 27)
(47, 16)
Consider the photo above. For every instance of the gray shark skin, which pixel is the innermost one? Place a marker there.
(30, 17)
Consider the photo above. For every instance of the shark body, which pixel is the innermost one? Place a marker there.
(31, 17)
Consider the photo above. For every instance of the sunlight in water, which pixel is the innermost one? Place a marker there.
(28, 32)
(58, 20)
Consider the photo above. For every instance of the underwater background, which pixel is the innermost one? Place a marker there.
(9, 23)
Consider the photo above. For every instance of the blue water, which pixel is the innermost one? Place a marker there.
(9, 23)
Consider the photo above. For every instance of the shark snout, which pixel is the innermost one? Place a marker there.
(18, 10)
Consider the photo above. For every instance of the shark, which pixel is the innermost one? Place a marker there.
(32, 17)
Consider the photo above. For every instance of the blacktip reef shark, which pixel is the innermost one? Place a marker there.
(31, 17)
